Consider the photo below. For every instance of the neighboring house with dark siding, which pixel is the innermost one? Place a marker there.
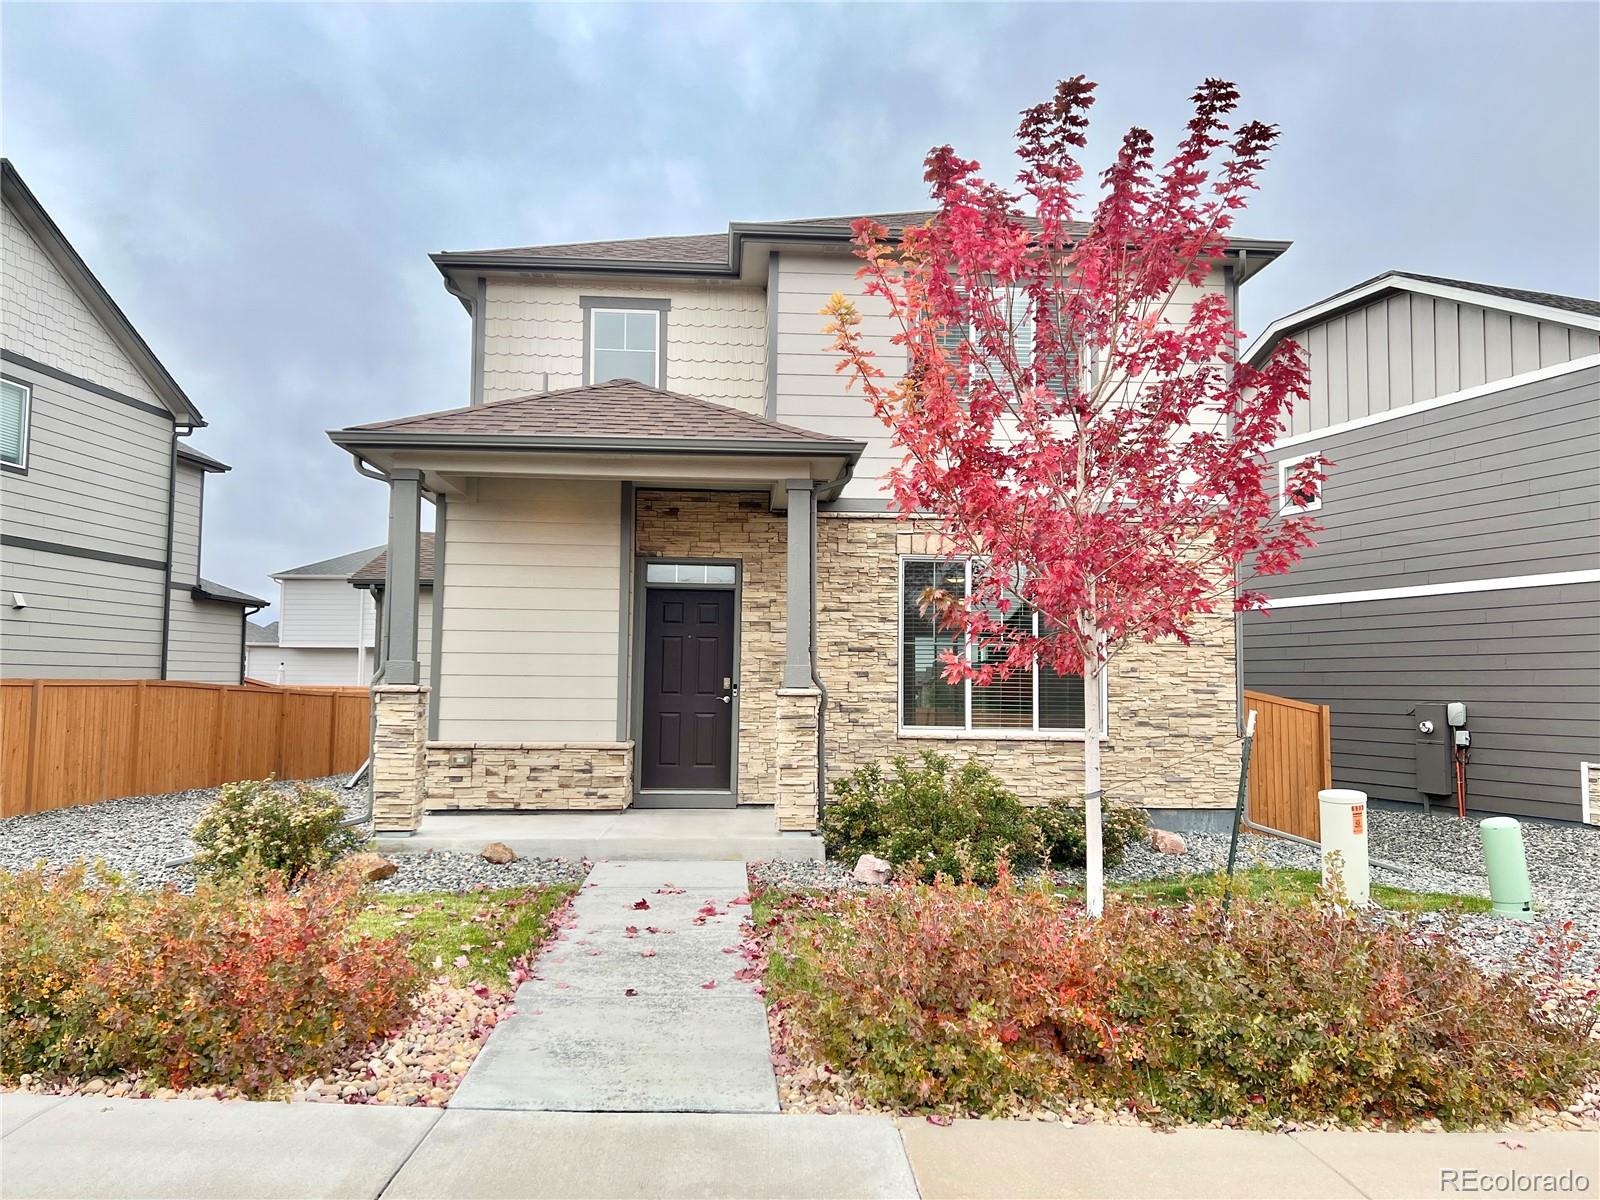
(1460, 558)
(100, 556)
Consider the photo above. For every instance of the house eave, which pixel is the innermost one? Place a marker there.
(355, 440)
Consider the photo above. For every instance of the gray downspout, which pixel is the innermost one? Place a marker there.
(166, 591)
(816, 678)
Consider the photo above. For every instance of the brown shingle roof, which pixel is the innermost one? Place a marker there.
(372, 572)
(621, 409)
(1574, 304)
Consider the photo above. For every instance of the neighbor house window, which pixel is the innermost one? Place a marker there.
(1034, 701)
(1307, 497)
(14, 399)
(625, 344)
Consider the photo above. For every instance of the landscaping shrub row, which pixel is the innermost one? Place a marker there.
(970, 1000)
(244, 983)
(928, 816)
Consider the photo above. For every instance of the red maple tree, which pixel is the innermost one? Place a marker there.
(1089, 440)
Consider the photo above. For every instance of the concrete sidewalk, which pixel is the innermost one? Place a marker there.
(641, 1021)
(89, 1147)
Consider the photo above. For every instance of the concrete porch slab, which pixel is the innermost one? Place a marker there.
(655, 834)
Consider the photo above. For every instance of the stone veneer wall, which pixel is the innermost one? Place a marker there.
(738, 526)
(548, 776)
(795, 778)
(400, 715)
(1172, 730)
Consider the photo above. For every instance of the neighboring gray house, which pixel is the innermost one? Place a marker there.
(665, 571)
(1460, 559)
(324, 627)
(100, 554)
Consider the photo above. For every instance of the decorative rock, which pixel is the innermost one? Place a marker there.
(1163, 841)
(872, 870)
(371, 867)
(498, 853)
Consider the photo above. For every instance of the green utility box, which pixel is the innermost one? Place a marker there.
(1507, 861)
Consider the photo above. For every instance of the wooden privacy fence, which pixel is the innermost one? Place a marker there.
(76, 741)
(1290, 761)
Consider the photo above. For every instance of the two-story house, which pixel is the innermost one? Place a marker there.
(100, 556)
(1460, 554)
(324, 633)
(665, 573)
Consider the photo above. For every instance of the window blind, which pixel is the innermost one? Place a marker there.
(13, 422)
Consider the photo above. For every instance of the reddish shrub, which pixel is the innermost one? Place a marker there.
(243, 983)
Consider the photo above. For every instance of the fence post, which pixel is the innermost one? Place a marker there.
(218, 723)
(33, 748)
(283, 732)
(138, 739)
(333, 731)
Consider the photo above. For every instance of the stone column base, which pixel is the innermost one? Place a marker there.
(397, 756)
(796, 765)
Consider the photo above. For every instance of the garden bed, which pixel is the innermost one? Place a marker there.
(471, 950)
(879, 999)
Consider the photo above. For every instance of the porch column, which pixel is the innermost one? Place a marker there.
(798, 632)
(400, 577)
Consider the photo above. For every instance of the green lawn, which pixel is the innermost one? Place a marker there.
(1293, 884)
(489, 929)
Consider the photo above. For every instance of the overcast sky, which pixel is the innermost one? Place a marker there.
(258, 186)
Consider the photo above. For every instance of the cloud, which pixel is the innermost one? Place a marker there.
(259, 185)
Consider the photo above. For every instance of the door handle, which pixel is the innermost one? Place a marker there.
(727, 699)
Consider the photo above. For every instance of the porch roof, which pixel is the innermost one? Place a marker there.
(602, 430)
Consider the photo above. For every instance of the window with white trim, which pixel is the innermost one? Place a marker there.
(1038, 700)
(1303, 500)
(14, 401)
(1014, 308)
(624, 343)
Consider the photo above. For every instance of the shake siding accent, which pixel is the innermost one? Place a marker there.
(529, 640)
(97, 472)
(715, 332)
(186, 527)
(84, 619)
(1500, 485)
(44, 319)
(1526, 662)
(324, 612)
(205, 640)
(1405, 348)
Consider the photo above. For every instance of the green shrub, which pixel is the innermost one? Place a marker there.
(243, 983)
(1062, 824)
(965, 999)
(254, 824)
(927, 818)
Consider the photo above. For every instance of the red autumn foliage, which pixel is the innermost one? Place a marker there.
(1066, 418)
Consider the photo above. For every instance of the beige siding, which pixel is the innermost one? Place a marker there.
(44, 319)
(1406, 348)
(532, 610)
(84, 619)
(97, 472)
(716, 337)
(205, 640)
(812, 394)
(186, 501)
(324, 612)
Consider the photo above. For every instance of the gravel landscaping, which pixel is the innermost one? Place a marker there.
(1437, 853)
(140, 835)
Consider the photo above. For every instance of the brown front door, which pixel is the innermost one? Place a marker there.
(688, 690)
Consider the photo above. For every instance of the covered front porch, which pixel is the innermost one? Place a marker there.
(622, 620)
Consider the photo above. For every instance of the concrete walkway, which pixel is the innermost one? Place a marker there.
(636, 1007)
(88, 1147)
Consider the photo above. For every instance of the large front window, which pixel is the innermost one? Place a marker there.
(1034, 701)
(624, 344)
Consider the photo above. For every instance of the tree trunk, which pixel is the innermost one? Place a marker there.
(1094, 864)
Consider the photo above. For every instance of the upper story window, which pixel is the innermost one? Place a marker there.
(1033, 703)
(1301, 496)
(626, 339)
(14, 400)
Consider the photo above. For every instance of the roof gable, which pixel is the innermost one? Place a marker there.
(374, 572)
(337, 567)
(92, 338)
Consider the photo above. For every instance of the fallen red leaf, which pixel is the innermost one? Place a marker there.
(641, 904)
(647, 953)
(630, 991)
(938, 1119)
(709, 984)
